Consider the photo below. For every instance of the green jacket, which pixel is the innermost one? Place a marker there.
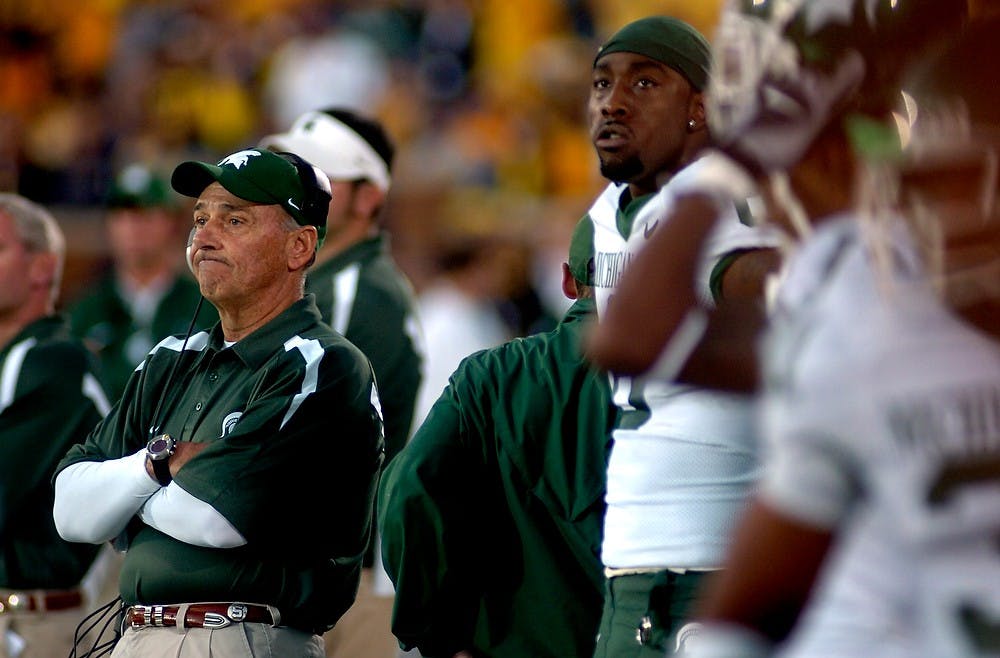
(291, 415)
(491, 517)
(103, 321)
(49, 400)
(363, 295)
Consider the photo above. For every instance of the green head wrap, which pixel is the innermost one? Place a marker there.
(667, 40)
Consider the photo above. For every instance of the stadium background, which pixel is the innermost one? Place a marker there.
(485, 99)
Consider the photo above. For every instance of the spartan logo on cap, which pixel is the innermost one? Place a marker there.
(229, 422)
(239, 158)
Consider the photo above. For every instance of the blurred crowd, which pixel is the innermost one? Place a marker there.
(485, 99)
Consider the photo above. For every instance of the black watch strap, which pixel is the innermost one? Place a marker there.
(161, 469)
(158, 451)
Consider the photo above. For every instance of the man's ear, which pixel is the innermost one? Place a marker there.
(367, 199)
(42, 270)
(569, 287)
(696, 110)
(301, 247)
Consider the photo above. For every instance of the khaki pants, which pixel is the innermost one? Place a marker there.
(364, 630)
(235, 641)
(44, 634)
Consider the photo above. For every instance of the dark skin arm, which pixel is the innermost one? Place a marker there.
(183, 452)
(768, 574)
(726, 357)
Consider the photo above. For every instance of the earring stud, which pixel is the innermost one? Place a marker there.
(692, 124)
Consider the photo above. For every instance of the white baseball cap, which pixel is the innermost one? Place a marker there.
(332, 146)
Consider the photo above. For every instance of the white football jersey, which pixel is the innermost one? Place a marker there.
(683, 458)
(878, 398)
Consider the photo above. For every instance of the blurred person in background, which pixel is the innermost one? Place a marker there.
(491, 517)
(458, 312)
(146, 295)
(363, 295)
(50, 399)
(881, 406)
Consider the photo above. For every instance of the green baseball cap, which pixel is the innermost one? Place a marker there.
(669, 41)
(581, 251)
(263, 176)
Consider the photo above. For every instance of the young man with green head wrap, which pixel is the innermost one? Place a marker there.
(683, 458)
(491, 516)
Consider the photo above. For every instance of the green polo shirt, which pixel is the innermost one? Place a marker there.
(293, 422)
(105, 324)
(362, 294)
(49, 400)
(492, 515)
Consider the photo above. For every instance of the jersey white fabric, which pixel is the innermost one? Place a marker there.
(683, 459)
(863, 602)
(878, 398)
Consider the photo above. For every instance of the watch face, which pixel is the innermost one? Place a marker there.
(160, 446)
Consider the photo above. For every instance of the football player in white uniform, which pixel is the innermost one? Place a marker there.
(880, 401)
(683, 459)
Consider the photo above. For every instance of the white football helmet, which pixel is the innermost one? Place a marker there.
(785, 68)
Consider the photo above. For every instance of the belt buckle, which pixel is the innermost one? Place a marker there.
(237, 612)
(215, 621)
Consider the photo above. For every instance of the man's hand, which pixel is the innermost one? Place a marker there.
(183, 452)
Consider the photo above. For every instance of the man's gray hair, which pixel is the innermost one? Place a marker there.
(38, 231)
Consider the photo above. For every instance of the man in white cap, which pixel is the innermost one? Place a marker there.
(362, 294)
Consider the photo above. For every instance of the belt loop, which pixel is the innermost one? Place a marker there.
(182, 611)
(275, 615)
(126, 621)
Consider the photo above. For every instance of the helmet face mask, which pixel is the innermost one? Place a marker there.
(777, 82)
(785, 69)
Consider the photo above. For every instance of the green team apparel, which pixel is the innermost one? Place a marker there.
(292, 417)
(491, 516)
(363, 295)
(50, 399)
(106, 325)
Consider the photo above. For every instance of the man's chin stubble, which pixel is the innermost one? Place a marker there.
(621, 172)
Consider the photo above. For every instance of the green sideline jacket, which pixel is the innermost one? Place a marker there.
(49, 400)
(291, 416)
(492, 516)
(362, 294)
